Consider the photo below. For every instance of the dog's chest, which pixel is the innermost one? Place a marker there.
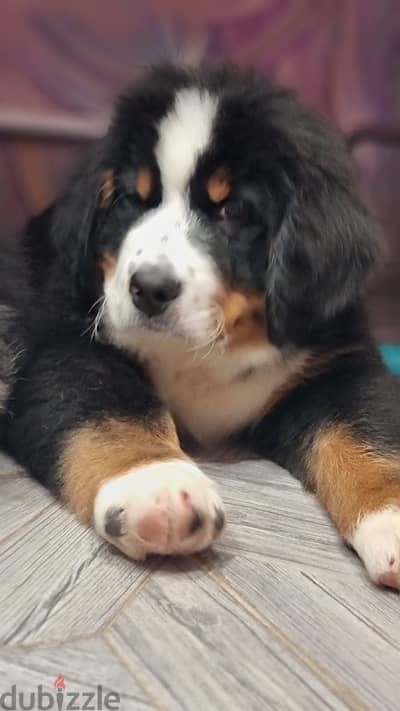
(206, 402)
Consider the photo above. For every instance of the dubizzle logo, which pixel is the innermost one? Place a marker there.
(59, 699)
(59, 686)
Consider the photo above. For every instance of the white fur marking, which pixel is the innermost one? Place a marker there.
(163, 234)
(377, 542)
(155, 490)
(183, 135)
(208, 394)
(178, 251)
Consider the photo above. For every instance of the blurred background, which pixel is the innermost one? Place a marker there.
(62, 62)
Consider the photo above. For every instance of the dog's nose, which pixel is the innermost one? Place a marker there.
(153, 288)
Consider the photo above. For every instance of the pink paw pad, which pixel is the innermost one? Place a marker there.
(153, 527)
(390, 579)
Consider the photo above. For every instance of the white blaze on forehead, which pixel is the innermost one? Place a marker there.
(184, 133)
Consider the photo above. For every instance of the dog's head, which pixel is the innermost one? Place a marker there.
(216, 210)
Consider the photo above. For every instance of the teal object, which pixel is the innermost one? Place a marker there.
(391, 356)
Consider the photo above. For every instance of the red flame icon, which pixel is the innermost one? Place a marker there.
(59, 683)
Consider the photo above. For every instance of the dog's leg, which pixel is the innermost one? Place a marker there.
(339, 432)
(360, 488)
(134, 482)
(87, 425)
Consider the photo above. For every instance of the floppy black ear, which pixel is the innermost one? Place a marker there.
(320, 257)
(75, 218)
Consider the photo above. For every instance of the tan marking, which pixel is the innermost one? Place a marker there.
(107, 189)
(219, 186)
(97, 452)
(244, 319)
(144, 183)
(350, 478)
(108, 264)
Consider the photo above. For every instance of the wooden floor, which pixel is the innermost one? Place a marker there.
(278, 616)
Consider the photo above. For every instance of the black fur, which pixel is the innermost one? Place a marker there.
(66, 385)
(355, 391)
(16, 320)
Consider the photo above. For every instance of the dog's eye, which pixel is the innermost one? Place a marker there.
(233, 211)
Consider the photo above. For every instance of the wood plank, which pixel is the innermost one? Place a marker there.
(85, 665)
(376, 608)
(200, 649)
(21, 499)
(286, 621)
(270, 514)
(60, 580)
(327, 629)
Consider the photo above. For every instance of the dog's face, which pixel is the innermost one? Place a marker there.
(186, 254)
(218, 211)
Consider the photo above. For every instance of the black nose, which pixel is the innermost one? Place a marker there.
(153, 288)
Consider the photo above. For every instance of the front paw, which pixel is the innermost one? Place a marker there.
(164, 507)
(377, 542)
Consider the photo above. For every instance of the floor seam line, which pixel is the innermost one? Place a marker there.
(122, 658)
(102, 628)
(345, 694)
(147, 575)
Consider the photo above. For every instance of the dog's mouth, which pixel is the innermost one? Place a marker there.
(236, 323)
(233, 320)
(202, 331)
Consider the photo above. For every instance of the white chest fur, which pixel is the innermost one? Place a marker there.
(212, 396)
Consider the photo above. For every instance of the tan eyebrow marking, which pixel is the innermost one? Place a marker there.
(144, 182)
(219, 185)
(107, 189)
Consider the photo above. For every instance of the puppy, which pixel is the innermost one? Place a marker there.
(203, 276)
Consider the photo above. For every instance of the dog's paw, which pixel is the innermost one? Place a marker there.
(164, 507)
(377, 542)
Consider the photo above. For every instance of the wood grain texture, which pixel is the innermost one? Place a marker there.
(201, 649)
(301, 606)
(60, 580)
(21, 501)
(279, 615)
(270, 514)
(85, 665)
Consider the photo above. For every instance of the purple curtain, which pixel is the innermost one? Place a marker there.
(62, 63)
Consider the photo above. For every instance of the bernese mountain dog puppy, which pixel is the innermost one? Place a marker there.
(203, 277)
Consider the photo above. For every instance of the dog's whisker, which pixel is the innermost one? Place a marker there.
(97, 321)
(94, 324)
(93, 306)
(214, 314)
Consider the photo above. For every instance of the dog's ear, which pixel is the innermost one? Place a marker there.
(76, 217)
(320, 256)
